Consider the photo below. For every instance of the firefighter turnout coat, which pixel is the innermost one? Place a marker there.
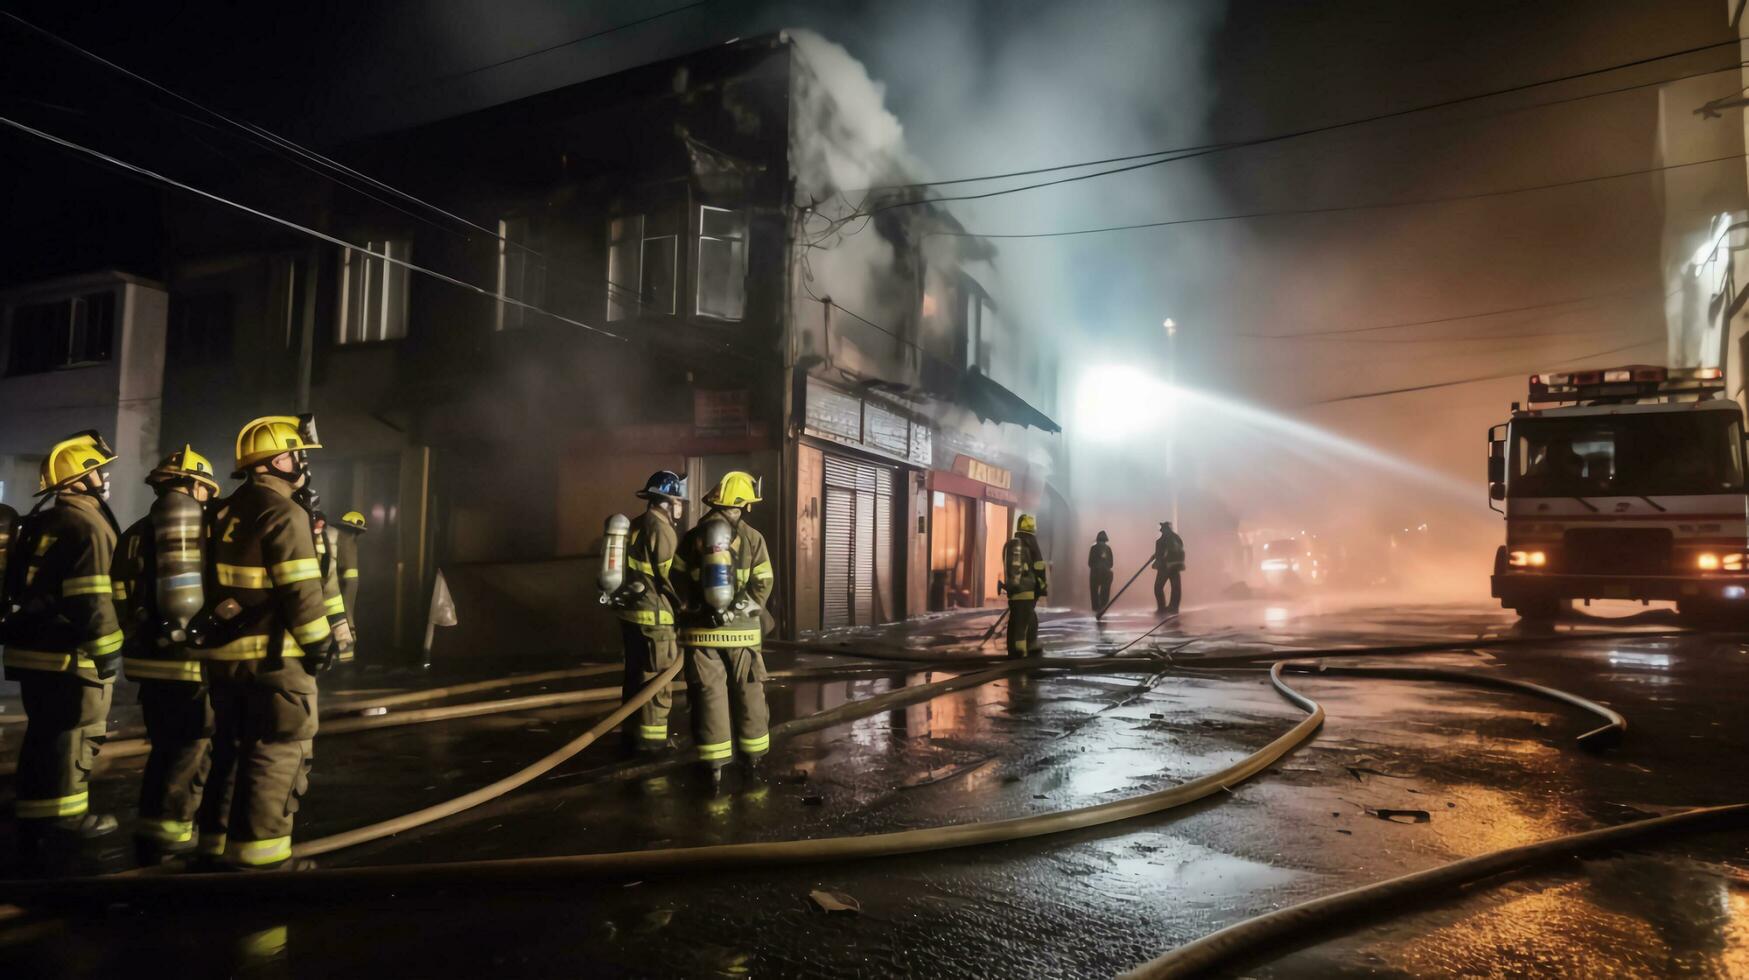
(63, 633)
(725, 673)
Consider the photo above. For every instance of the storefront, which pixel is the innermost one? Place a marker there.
(972, 515)
(861, 510)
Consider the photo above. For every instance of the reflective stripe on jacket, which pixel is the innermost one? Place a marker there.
(68, 548)
(649, 560)
(754, 578)
(264, 557)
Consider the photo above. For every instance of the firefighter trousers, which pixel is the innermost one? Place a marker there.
(66, 722)
(179, 724)
(1099, 589)
(1023, 628)
(265, 719)
(1162, 579)
(649, 651)
(726, 690)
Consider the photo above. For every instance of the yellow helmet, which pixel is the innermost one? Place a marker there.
(354, 520)
(1027, 524)
(184, 464)
(735, 489)
(72, 458)
(267, 437)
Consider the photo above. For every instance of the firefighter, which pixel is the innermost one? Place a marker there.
(1168, 567)
(722, 573)
(646, 604)
(348, 531)
(173, 694)
(63, 647)
(1027, 581)
(1099, 562)
(267, 633)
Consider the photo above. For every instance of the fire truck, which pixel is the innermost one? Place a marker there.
(1624, 483)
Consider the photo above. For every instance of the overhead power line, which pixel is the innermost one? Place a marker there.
(304, 157)
(1485, 314)
(1471, 381)
(567, 43)
(303, 229)
(1184, 153)
(1340, 208)
(1601, 93)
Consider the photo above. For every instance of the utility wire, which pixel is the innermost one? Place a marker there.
(273, 140)
(1471, 381)
(1340, 208)
(286, 223)
(1202, 150)
(565, 44)
(1738, 66)
(1320, 334)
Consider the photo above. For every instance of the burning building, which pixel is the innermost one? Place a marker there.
(705, 264)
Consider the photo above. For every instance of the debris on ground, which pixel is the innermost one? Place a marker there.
(1400, 816)
(835, 902)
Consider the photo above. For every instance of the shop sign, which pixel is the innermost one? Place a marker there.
(983, 472)
(719, 414)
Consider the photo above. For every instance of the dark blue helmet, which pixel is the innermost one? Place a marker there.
(664, 484)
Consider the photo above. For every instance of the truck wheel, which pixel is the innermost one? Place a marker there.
(1709, 613)
(1541, 610)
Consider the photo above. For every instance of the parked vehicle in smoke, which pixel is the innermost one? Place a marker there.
(1291, 562)
(1628, 485)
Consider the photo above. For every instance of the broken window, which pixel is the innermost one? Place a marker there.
(642, 257)
(722, 263)
(70, 332)
(373, 293)
(521, 276)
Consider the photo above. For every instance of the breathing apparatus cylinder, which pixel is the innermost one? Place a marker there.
(177, 522)
(613, 555)
(717, 576)
(9, 528)
(1016, 569)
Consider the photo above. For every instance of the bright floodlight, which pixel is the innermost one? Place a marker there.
(1118, 402)
(1171, 326)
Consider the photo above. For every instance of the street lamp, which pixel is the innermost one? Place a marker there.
(1171, 326)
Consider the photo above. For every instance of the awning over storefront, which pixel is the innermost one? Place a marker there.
(994, 403)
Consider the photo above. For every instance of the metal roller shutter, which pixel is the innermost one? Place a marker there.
(857, 543)
(836, 554)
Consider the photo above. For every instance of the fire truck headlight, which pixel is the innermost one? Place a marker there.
(1707, 562)
(1735, 591)
(1733, 563)
(1527, 559)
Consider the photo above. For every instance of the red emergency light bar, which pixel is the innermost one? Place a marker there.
(1631, 381)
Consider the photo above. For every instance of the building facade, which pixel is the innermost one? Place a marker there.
(645, 278)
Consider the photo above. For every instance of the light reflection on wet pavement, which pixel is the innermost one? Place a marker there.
(1489, 768)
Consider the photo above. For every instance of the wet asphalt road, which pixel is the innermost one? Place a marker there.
(1489, 768)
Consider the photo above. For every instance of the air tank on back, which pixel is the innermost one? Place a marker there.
(717, 576)
(1015, 567)
(177, 526)
(613, 555)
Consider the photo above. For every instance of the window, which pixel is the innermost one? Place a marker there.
(64, 333)
(1627, 455)
(722, 263)
(642, 255)
(521, 275)
(373, 293)
(200, 328)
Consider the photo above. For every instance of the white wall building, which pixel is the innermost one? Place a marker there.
(82, 352)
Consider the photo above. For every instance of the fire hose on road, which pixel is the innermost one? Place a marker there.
(691, 859)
